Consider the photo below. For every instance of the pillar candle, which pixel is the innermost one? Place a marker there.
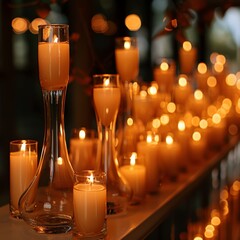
(135, 175)
(89, 203)
(201, 76)
(53, 65)
(23, 165)
(187, 57)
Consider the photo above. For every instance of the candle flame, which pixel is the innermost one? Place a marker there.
(169, 140)
(59, 161)
(106, 81)
(198, 95)
(156, 122)
(171, 107)
(203, 124)
(231, 79)
(181, 125)
(127, 45)
(82, 134)
(55, 39)
(143, 93)
(216, 118)
(182, 81)
(218, 67)
(187, 46)
(149, 138)
(164, 119)
(196, 136)
(90, 179)
(164, 66)
(130, 122)
(202, 68)
(212, 81)
(133, 159)
(152, 90)
(23, 146)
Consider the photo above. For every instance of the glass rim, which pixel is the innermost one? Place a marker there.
(55, 25)
(83, 173)
(106, 75)
(24, 141)
(125, 38)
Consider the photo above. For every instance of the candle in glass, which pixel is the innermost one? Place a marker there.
(89, 205)
(23, 166)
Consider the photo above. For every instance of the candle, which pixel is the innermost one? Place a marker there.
(127, 60)
(182, 90)
(197, 147)
(89, 204)
(23, 165)
(187, 57)
(164, 75)
(83, 150)
(135, 175)
(107, 101)
(53, 64)
(149, 151)
(201, 76)
(169, 152)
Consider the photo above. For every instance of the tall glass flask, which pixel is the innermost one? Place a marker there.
(47, 204)
(106, 98)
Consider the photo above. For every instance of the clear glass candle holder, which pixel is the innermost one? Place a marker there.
(23, 166)
(90, 205)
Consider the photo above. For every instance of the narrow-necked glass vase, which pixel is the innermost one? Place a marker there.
(47, 204)
(106, 98)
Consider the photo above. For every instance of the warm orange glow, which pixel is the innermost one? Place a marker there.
(224, 194)
(169, 140)
(212, 81)
(133, 22)
(196, 136)
(143, 93)
(198, 95)
(164, 119)
(59, 161)
(149, 138)
(129, 121)
(215, 221)
(152, 90)
(198, 238)
(164, 66)
(156, 123)
(216, 118)
(187, 46)
(33, 27)
(208, 233)
(213, 57)
(171, 107)
(202, 68)
(19, 25)
(227, 103)
(203, 124)
(231, 79)
(99, 23)
(181, 125)
(218, 67)
(82, 134)
(211, 110)
(182, 81)
(233, 129)
(221, 59)
(195, 121)
(133, 159)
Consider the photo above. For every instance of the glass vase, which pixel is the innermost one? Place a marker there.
(47, 204)
(106, 98)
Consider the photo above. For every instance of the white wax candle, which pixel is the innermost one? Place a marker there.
(23, 165)
(53, 65)
(136, 177)
(149, 151)
(107, 101)
(187, 57)
(82, 153)
(127, 61)
(89, 204)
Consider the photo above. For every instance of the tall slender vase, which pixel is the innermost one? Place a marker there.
(106, 97)
(47, 204)
(127, 65)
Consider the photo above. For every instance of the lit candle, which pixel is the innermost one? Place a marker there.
(149, 151)
(201, 76)
(83, 151)
(135, 174)
(127, 60)
(169, 154)
(89, 205)
(23, 165)
(164, 75)
(197, 147)
(53, 60)
(182, 90)
(107, 101)
(187, 57)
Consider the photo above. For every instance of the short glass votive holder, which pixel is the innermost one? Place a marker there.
(134, 171)
(23, 166)
(90, 205)
(83, 148)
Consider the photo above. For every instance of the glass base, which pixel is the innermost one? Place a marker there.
(51, 224)
(90, 236)
(15, 213)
